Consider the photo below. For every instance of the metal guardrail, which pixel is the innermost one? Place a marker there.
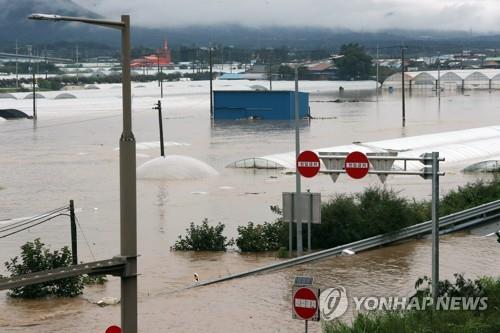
(465, 219)
(114, 266)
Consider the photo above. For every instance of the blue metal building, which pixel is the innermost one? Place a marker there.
(267, 105)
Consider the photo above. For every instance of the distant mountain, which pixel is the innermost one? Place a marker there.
(15, 25)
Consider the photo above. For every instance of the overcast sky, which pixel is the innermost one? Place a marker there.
(475, 15)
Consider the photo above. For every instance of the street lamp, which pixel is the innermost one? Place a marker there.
(128, 204)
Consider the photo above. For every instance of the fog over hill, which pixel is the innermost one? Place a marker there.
(15, 25)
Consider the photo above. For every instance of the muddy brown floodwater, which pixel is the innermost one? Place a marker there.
(71, 154)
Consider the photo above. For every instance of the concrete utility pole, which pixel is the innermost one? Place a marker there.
(270, 77)
(17, 72)
(76, 53)
(160, 124)
(296, 205)
(74, 240)
(403, 84)
(46, 63)
(439, 77)
(376, 83)
(33, 81)
(211, 83)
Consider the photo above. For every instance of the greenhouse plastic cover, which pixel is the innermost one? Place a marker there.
(457, 147)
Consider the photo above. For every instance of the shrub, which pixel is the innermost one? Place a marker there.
(430, 320)
(36, 257)
(470, 195)
(260, 237)
(348, 218)
(203, 238)
(89, 280)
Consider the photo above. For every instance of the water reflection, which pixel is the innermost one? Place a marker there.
(162, 199)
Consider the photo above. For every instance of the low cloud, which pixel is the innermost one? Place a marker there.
(366, 15)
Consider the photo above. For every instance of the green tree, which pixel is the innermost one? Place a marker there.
(203, 238)
(35, 257)
(355, 63)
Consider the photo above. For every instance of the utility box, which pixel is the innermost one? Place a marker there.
(265, 105)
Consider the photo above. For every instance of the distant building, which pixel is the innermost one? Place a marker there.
(322, 71)
(492, 62)
(162, 58)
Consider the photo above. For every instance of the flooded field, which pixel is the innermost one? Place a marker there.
(71, 153)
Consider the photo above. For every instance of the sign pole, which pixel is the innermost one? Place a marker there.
(306, 326)
(297, 216)
(290, 230)
(309, 222)
(435, 226)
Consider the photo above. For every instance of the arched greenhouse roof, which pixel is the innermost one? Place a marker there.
(448, 75)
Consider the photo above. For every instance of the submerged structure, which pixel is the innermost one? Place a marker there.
(466, 148)
(465, 79)
(265, 105)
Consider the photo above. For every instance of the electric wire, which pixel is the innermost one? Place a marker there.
(31, 220)
(85, 238)
(31, 226)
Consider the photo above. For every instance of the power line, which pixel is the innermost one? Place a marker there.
(31, 219)
(31, 226)
(85, 238)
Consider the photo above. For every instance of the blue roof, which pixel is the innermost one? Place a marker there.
(231, 76)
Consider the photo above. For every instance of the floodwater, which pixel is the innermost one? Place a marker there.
(70, 153)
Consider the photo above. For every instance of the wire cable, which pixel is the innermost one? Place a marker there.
(31, 220)
(85, 238)
(30, 226)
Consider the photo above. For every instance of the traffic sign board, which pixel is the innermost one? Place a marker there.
(356, 165)
(305, 303)
(308, 164)
(113, 329)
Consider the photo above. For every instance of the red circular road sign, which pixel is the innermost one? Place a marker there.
(113, 329)
(356, 165)
(305, 303)
(308, 164)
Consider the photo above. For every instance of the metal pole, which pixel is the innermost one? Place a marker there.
(17, 75)
(160, 122)
(270, 77)
(309, 221)
(77, 80)
(211, 84)
(439, 77)
(290, 230)
(298, 217)
(403, 84)
(376, 83)
(128, 200)
(306, 326)
(34, 96)
(161, 87)
(435, 226)
(74, 241)
(46, 64)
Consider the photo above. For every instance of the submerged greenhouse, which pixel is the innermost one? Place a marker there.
(465, 79)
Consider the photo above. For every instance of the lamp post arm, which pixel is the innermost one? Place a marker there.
(104, 23)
